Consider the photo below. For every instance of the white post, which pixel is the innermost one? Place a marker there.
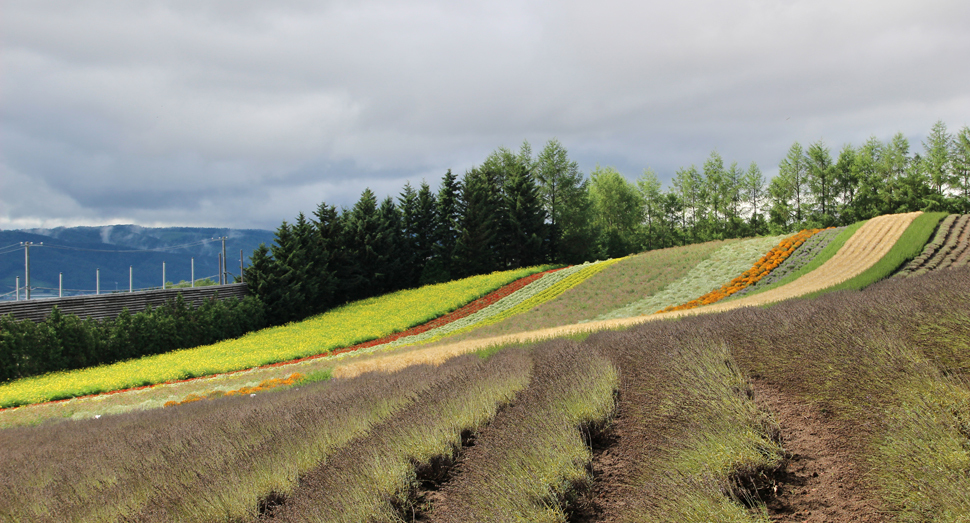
(163, 276)
(18, 288)
(222, 266)
(241, 277)
(97, 281)
(60, 285)
(131, 279)
(193, 272)
(27, 270)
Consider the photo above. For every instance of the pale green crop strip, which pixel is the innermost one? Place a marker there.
(345, 326)
(724, 265)
(532, 295)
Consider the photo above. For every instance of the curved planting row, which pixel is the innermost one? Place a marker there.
(765, 266)
(345, 326)
(803, 255)
(949, 248)
(534, 294)
(866, 247)
(459, 314)
(722, 266)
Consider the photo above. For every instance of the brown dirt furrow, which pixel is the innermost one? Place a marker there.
(961, 251)
(823, 481)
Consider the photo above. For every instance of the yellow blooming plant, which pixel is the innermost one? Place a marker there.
(341, 327)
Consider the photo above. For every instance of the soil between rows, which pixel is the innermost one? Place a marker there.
(822, 482)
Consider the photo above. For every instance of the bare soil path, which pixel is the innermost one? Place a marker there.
(822, 481)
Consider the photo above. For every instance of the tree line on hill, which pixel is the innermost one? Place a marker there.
(515, 209)
(518, 209)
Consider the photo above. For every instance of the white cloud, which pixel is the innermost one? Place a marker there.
(225, 113)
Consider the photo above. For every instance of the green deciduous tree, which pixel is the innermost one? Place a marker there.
(617, 210)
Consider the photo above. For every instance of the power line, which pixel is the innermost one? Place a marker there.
(161, 249)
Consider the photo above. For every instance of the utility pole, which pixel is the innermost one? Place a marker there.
(27, 268)
(193, 272)
(60, 285)
(18, 287)
(222, 266)
(97, 282)
(219, 263)
(242, 279)
(163, 276)
(131, 279)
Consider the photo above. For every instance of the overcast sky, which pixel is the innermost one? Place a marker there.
(243, 113)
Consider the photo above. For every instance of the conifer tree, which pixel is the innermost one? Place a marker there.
(475, 249)
(821, 182)
(526, 218)
(961, 168)
(411, 259)
(426, 225)
(449, 227)
(938, 164)
(565, 198)
(362, 228)
(328, 255)
(393, 252)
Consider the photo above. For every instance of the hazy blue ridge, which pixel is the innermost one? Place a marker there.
(79, 266)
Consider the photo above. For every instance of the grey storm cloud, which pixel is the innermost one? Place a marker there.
(242, 114)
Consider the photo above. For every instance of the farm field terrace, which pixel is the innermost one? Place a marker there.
(88, 406)
(353, 323)
(682, 420)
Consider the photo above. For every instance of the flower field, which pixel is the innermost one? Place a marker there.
(802, 256)
(345, 326)
(532, 295)
(712, 273)
(764, 267)
(713, 409)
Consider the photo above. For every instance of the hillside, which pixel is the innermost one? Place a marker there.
(850, 406)
(79, 251)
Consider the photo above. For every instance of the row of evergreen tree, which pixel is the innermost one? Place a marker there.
(517, 209)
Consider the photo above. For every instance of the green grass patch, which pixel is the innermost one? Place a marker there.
(315, 376)
(909, 245)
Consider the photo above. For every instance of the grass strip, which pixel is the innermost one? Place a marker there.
(502, 307)
(763, 268)
(543, 296)
(823, 256)
(907, 247)
(347, 325)
(721, 267)
(621, 283)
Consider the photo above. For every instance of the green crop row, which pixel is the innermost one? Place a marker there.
(909, 245)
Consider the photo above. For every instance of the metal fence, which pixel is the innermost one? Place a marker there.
(110, 305)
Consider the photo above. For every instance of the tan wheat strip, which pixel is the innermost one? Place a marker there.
(866, 247)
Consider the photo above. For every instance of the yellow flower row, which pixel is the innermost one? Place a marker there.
(344, 326)
(543, 296)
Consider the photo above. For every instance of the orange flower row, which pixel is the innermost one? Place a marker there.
(762, 268)
(263, 385)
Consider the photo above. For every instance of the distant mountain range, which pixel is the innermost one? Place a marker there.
(78, 252)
